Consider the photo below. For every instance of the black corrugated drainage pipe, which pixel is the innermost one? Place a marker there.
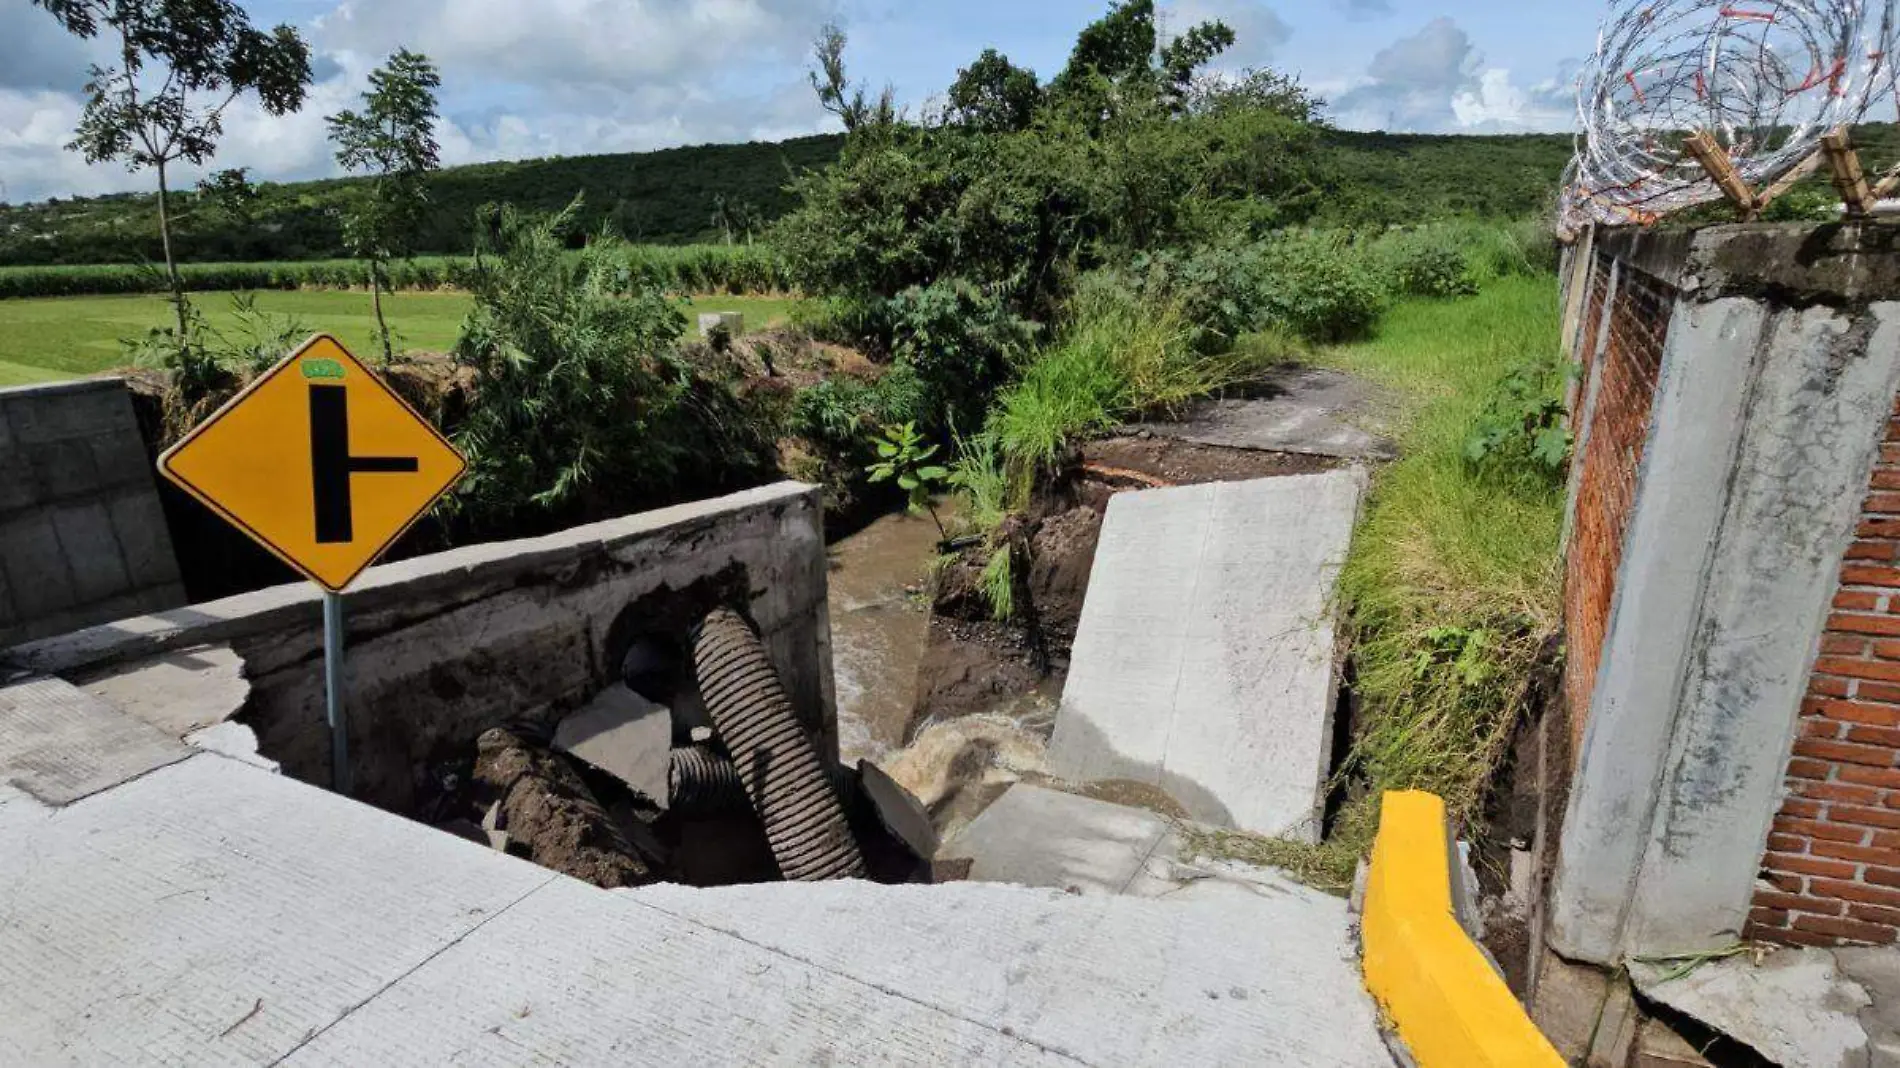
(804, 822)
(702, 782)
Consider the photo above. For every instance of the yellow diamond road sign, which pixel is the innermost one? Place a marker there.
(319, 461)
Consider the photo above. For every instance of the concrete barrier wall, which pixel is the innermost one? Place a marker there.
(82, 537)
(443, 647)
(1776, 383)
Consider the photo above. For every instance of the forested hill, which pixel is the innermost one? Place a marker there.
(670, 197)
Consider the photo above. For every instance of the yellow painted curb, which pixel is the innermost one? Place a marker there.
(1451, 1008)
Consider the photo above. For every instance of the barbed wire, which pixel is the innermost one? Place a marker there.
(1762, 79)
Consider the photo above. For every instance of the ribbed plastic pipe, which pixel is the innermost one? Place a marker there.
(804, 823)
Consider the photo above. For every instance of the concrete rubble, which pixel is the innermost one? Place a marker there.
(625, 735)
(1204, 663)
(1800, 1008)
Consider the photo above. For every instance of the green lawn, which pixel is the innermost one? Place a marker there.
(48, 338)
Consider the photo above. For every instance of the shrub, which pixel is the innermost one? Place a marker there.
(213, 363)
(1429, 265)
(1321, 287)
(572, 380)
(835, 412)
(1119, 356)
(1522, 429)
(959, 342)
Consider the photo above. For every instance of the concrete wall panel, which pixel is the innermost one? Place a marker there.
(1678, 508)
(1824, 393)
(443, 647)
(82, 539)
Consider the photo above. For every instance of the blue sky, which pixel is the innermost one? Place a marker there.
(527, 78)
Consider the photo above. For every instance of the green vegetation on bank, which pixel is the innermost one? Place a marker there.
(1453, 578)
(679, 268)
(673, 196)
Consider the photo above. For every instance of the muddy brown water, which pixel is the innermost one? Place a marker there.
(880, 618)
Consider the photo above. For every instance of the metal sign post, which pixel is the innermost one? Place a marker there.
(322, 463)
(333, 692)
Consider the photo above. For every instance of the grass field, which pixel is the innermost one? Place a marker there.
(48, 338)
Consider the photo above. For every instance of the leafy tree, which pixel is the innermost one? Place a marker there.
(1119, 60)
(836, 94)
(995, 95)
(230, 194)
(181, 63)
(1188, 53)
(392, 140)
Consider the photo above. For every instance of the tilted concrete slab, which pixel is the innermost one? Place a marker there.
(60, 744)
(1796, 1008)
(1204, 662)
(1036, 837)
(1032, 836)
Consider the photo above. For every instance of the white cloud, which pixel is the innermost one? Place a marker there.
(521, 78)
(1435, 81)
(1364, 9)
(584, 43)
(1497, 104)
(1258, 30)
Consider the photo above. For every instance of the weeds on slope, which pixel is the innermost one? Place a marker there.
(1453, 578)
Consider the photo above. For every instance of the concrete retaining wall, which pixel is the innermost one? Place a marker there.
(443, 647)
(1776, 382)
(82, 537)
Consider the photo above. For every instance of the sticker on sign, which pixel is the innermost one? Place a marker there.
(319, 461)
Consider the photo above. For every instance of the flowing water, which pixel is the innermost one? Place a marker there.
(880, 626)
(880, 618)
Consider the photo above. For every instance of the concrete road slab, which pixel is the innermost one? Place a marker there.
(582, 976)
(178, 692)
(60, 744)
(1204, 662)
(1091, 979)
(213, 913)
(1307, 410)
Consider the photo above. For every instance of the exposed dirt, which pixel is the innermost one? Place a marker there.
(970, 667)
(547, 807)
(1145, 462)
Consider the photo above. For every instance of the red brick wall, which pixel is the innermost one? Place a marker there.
(1832, 865)
(1606, 487)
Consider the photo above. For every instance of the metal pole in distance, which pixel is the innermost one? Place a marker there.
(333, 691)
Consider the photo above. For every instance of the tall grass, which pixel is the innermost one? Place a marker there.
(734, 269)
(1452, 579)
(1117, 357)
